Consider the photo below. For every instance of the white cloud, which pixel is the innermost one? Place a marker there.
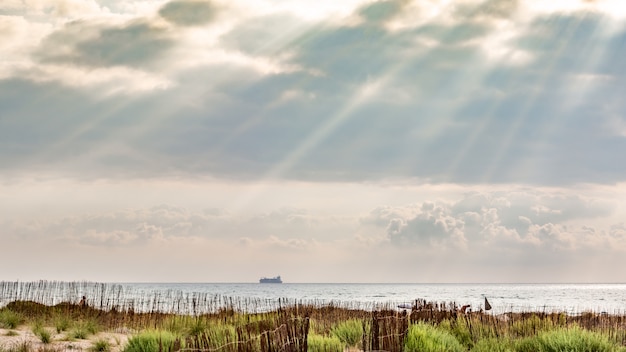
(502, 221)
(54, 8)
(313, 130)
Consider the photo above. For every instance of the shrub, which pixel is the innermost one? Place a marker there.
(426, 338)
(350, 332)
(152, 341)
(319, 343)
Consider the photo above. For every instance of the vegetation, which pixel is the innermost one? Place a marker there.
(62, 323)
(350, 332)
(10, 319)
(41, 332)
(318, 343)
(297, 326)
(101, 346)
(423, 337)
(153, 340)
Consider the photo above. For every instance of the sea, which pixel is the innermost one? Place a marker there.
(255, 297)
(569, 298)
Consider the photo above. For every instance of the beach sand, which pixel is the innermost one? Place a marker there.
(14, 338)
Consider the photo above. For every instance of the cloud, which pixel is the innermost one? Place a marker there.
(276, 95)
(53, 8)
(488, 10)
(188, 13)
(498, 221)
(130, 44)
(284, 228)
(381, 11)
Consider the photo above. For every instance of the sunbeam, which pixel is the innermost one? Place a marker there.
(519, 117)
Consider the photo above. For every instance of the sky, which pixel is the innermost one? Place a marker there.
(412, 141)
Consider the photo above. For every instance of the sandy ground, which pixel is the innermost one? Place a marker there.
(23, 335)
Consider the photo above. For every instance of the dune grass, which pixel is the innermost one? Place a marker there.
(10, 319)
(350, 332)
(41, 332)
(319, 343)
(153, 340)
(321, 327)
(423, 337)
(101, 346)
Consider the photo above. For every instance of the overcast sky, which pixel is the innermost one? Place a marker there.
(325, 141)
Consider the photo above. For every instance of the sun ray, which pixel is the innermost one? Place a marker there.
(518, 120)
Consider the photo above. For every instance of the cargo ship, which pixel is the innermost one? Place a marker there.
(271, 280)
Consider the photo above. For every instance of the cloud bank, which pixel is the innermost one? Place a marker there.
(486, 131)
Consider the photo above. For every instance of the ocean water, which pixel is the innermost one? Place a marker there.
(192, 298)
(570, 298)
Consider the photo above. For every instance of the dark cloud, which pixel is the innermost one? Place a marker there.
(137, 44)
(443, 111)
(381, 11)
(488, 9)
(189, 13)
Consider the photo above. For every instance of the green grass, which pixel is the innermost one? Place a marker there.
(176, 324)
(101, 346)
(84, 329)
(330, 329)
(152, 341)
(43, 334)
(530, 326)
(459, 328)
(350, 332)
(220, 335)
(424, 337)
(493, 345)
(319, 343)
(79, 333)
(10, 319)
(197, 327)
(574, 339)
(62, 323)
